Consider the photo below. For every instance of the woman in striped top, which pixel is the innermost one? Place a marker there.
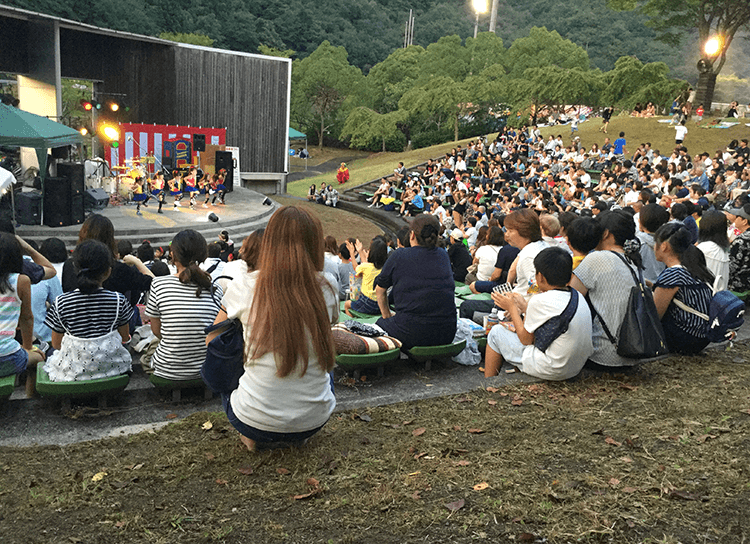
(681, 287)
(180, 307)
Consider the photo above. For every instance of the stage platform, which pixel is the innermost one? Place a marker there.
(243, 213)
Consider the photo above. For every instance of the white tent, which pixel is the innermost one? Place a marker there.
(7, 179)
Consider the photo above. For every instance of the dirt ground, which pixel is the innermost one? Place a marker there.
(655, 455)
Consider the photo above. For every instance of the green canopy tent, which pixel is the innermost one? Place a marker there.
(297, 135)
(20, 128)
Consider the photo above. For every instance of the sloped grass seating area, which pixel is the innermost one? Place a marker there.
(66, 391)
(175, 387)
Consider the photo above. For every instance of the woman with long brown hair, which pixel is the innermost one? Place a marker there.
(285, 393)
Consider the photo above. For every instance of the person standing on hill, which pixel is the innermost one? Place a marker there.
(620, 144)
(606, 116)
(342, 174)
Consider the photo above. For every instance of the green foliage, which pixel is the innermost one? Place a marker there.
(632, 81)
(194, 39)
(441, 99)
(273, 52)
(365, 128)
(543, 48)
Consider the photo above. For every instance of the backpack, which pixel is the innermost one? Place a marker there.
(725, 315)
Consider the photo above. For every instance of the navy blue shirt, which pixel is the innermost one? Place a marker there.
(423, 288)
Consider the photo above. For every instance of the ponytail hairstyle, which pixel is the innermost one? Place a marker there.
(189, 249)
(692, 258)
(426, 229)
(92, 262)
(620, 224)
(11, 259)
(288, 304)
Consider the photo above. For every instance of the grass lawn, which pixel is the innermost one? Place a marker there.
(319, 156)
(636, 130)
(657, 455)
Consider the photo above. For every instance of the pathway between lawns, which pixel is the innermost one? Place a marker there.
(28, 422)
(322, 168)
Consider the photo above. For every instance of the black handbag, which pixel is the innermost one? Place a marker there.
(641, 335)
(556, 326)
(225, 356)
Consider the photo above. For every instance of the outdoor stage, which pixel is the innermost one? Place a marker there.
(243, 213)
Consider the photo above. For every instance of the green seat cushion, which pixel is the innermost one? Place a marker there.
(480, 296)
(462, 290)
(426, 353)
(362, 318)
(47, 388)
(366, 193)
(742, 296)
(7, 385)
(175, 384)
(372, 359)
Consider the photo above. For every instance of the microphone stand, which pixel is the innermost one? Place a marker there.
(140, 149)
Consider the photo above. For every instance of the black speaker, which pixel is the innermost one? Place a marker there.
(61, 152)
(77, 213)
(29, 208)
(75, 172)
(95, 199)
(225, 161)
(199, 142)
(57, 202)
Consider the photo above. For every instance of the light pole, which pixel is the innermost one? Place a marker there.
(704, 92)
(480, 6)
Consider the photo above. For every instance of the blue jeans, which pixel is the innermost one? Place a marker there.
(13, 363)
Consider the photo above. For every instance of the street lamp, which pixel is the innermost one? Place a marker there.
(480, 6)
(712, 46)
(704, 92)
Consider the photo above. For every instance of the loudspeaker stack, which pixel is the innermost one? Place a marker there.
(63, 196)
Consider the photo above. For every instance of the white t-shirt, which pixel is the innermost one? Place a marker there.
(565, 357)
(680, 132)
(525, 271)
(487, 256)
(471, 236)
(265, 401)
(717, 261)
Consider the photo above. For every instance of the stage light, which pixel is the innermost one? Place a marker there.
(83, 130)
(212, 217)
(480, 6)
(87, 105)
(267, 202)
(712, 46)
(111, 132)
(114, 106)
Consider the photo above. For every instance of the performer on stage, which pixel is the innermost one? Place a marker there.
(204, 186)
(157, 189)
(191, 180)
(220, 189)
(139, 196)
(175, 187)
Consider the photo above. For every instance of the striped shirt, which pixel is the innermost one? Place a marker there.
(693, 293)
(88, 316)
(10, 311)
(183, 316)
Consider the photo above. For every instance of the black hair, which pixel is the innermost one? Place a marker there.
(404, 235)
(92, 260)
(584, 234)
(189, 249)
(378, 252)
(124, 248)
(426, 229)
(6, 225)
(713, 228)
(565, 219)
(344, 252)
(679, 211)
(555, 264)
(145, 252)
(653, 216)
(54, 249)
(621, 225)
(495, 237)
(160, 268)
(214, 249)
(681, 242)
(11, 259)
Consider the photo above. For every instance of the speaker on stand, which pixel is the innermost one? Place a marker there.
(58, 202)
(225, 161)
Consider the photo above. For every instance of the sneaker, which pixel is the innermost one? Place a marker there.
(371, 205)
(159, 211)
(138, 212)
(205, 205)
(177, 203)
(378, 206)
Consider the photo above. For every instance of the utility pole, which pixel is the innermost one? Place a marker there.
(493, 16)
(409, 30)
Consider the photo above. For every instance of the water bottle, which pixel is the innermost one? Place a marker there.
(491, 320)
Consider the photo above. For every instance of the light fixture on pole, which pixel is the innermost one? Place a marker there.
(480, 6)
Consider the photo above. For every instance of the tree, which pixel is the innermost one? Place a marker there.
(544, 48)
(632, 81)
(441, 98)
(320, 84)
(364, 126)
(712, 18)
(389, 80)
(181, 37)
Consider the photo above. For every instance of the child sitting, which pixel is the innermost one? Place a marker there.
(373, 261)
(583, 235)
(553, 341)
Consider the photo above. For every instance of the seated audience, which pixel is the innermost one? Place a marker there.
(714, 244)
(374, 259)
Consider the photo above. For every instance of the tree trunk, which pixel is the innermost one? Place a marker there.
(383, 144)
(455, 130)
(322, 131)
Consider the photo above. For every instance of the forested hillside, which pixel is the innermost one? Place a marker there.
(369, 30)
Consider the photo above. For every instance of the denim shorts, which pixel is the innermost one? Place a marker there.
(13, 363)
(258, 435)
(365, 305)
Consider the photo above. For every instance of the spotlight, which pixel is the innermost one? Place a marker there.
(84, 131)
(87, 105)
(267, 202)
(111, 132)
(213, 217)
(114, 106)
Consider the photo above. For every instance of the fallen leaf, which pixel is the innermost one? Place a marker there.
(221, 482)
(313, 482)
(416, 496)
(463, 463)
(702, 438)
(503, 394)
(405, 423)
(746, 411)
(171, 416)
(614, 482)
(120, 524)
(492, 402)
(526, 537)
(246, 470)
(308, 495)
(210, 456)
(364, 417)
(517, 401)
(457, 427)
(476, 431)
(685, 495)
(419, 431)
(207, 426)
(493, 389)
(282, 471)
(481, 486)
(612, 441)
(98, 477)
(456, 505)
(414, 473)
(626, 459)
(363, 379)
(463, 399)
(629, 489)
